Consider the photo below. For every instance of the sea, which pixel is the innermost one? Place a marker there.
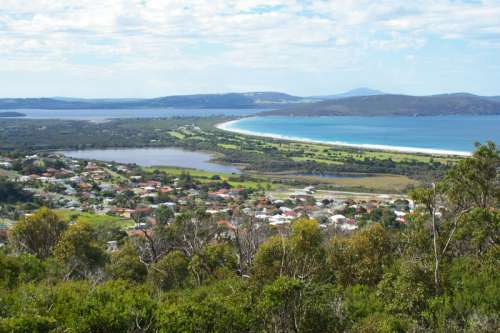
(454, 135)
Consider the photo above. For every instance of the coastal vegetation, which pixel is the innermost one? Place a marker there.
(437, 272)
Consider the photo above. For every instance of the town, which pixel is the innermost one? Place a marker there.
(130, 196)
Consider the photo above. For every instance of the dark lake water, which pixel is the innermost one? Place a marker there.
(154, 157)
(100, 115)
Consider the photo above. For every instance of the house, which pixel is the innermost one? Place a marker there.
(5, 165)
(400, 216)
(348, 225)
(338, 219)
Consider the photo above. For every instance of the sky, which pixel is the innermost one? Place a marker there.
(150, 48)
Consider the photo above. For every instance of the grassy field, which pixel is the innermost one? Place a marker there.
(94, 219)
(177, 135)
(206, 176)
(384, 183)
(273, 181)
(8, 173)
(323, 153)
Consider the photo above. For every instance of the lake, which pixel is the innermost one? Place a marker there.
(154, 157)
(439, 134)
(100, 115)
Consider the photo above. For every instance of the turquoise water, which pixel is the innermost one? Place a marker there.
(425, 134)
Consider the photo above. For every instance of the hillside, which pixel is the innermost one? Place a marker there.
(11, 114)
(229, 100)
(397, 105)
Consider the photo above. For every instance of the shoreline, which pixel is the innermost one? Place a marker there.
(225, 126)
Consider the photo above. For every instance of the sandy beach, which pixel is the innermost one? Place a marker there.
(227, 126)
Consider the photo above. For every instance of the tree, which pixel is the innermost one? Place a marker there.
(271, 259)
(11, 192)
(248, 235)
(361, 258)
(170, 271)
(78, 251)
(307, 254)
(214, 261)
(282, 305)
(157, 241)
(192, 231)
(291, 305)
(19, 269)
(405, 288)
(223, 306)
(478, 231)
(471, 183)
(163, 215)
(300, 255)
(39, 233)
(125, 264)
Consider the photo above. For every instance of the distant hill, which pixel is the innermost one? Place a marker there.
(11, 114)
(229, 100)
(352, 93)
(494, 98)
(397, 105)
(361, 101)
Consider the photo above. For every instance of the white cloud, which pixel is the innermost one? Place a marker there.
(116, 35)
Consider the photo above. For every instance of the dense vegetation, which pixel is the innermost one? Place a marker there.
(398, 105)
(439, 272)
(11, 192)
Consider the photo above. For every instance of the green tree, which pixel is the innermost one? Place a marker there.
(78, 252)
(291, 305)
(19, 269)
(214, 261)
(11, 192)
(361, 258)
(307, 254)
(271, 259)
(39, 233)
(125, 264)
(472, 183)
(223, 306)
(170, 271)
(163, 215)
(406, 288)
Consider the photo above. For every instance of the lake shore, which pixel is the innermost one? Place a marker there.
(154, 157)
(226, 126)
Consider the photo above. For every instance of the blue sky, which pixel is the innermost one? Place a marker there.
(147, 48)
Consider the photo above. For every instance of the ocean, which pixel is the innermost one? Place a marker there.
(438, 134)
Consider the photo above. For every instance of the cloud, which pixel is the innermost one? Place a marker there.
(308, 36)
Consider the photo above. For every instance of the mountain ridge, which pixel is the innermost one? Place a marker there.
(255, 99)
(397, 105)
(352, 102)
